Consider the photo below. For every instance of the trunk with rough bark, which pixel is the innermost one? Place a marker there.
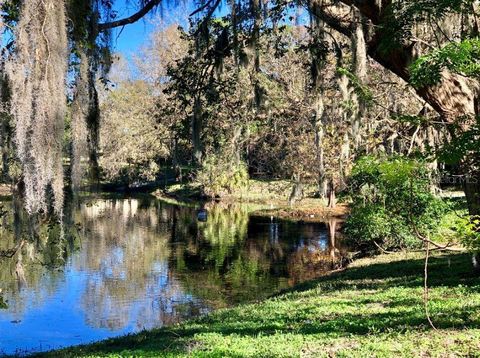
(297, 190)
(175, 162)
(454, 97)
(5, 140)
(256, 8)
(332, 201)
(471, 186)
(5, 127)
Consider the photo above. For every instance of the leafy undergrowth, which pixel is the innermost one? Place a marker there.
(374, 308)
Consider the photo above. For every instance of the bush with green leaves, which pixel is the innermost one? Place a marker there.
(221, 175)
(468, 233)
(392, 203)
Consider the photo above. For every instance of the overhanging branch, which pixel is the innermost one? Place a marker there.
(333, 22)
(131, 19)
(371, 9)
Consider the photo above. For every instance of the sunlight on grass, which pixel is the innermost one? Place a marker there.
(374, 308)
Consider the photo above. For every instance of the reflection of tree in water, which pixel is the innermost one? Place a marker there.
(127, 254)
(316, 257)
(231, 258)
(141, 263)
(29, 275)
(204, 254)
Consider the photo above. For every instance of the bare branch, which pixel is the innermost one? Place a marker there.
(131, 19)
(201, 8)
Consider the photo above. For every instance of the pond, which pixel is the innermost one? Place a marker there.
(124, 265)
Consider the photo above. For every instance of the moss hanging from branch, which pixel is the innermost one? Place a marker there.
(38, 74)
(80, 106)
(359, 52)
(318, 51)
(92, 49)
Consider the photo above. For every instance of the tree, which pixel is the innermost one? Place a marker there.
(132, 142)
(38, 87)
(394, 34)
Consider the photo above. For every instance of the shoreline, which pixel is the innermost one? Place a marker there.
(270, 196)
(373, 307)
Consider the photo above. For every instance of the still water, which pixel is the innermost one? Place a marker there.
(123, 265)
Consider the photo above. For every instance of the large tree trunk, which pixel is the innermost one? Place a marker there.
(5, 139)
(5, 128)
(453, 98)
(196, 131)
(471, 186)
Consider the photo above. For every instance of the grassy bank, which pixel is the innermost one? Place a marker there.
(259, 191)
(270, 196)
(374, 308)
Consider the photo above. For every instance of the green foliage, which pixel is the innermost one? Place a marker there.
(391, 200)
(410, 119)
(467, 228)
(362, 90)
(219, 175)
(458, 226)
(3, 305)
(462, 57)
(464, 144)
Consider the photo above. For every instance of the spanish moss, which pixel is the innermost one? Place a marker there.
(37, 73)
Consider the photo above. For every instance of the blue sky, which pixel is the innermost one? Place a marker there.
(129, 40)
(132, 36)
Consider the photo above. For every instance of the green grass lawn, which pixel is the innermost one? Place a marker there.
(374, 308)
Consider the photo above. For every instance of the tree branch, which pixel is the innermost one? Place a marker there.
(371, 9)
(201, 8)
(131, 19)
(209, 14)
(334, 21)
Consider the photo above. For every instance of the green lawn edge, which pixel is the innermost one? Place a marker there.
(374, 308)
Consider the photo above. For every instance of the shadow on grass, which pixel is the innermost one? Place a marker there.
(446, 270)
(367, 316)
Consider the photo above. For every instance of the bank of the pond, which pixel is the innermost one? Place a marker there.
(270, 197)
(373, 308)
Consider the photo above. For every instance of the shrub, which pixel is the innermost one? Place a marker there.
(467, 229)
(392, 201)
(219, 175)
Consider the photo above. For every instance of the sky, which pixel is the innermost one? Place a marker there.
(130, 40)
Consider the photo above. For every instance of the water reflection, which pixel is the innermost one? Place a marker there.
(122, 265)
